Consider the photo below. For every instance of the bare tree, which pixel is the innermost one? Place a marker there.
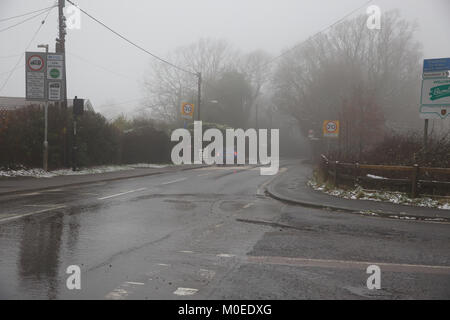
(351, 72)
(166, 87)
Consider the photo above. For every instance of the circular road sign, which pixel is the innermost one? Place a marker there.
(187, 109)
(35, 63)
(54, 73)
(331, 127)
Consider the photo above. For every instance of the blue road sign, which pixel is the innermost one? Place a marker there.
(431, 65)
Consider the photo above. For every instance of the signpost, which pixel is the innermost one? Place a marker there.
(331, 128)
(432, 65)
(44, 82)
(435, 93)
(35, 69)
(187, 110)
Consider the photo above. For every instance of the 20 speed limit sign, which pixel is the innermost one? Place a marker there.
(331, 128)
(187, 110)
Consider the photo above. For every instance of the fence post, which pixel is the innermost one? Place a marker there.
(414, 178)
(335, 176)
(356, 174)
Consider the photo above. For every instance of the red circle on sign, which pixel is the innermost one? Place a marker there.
(42, 63)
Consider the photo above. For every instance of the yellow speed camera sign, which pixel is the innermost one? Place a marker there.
(187, 110)
(331, 128)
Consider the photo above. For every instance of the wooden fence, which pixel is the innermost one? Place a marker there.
(341, 173)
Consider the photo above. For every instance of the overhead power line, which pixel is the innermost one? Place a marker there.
(22, 55)
(317, 33)
(26, 14)
(133, 43)
(99, 66)
(23, 21)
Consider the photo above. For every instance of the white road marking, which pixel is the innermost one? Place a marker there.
(30, 194)
(117, 294)
(225, 255)
(173, 181)
(29, 214)
(136, 283)
(163, 264)
(185, 291)
(40, 205)
(203, 174)
(208, 274)
(122, 193)
(120, 292)
(186, 251)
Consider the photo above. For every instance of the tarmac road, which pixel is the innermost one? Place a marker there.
(209, 233)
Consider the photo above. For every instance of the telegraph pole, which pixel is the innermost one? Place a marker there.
(199, 92)
(61, 48)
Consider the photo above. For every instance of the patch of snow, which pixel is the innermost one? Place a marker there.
(40, 173)
(388, 196)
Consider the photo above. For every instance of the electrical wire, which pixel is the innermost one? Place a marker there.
(26, 14)
(316, 34)
(23, 21)
(99, 66)
(22, 55)
(133, 43)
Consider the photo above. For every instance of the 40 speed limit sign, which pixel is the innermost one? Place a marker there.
(331, 128)
(187, 110)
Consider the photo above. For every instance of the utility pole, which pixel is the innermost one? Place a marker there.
(199, 97)
(61, 48)
(256, 116)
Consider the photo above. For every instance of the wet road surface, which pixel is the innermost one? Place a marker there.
(209, 233)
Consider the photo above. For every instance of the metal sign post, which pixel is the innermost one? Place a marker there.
(44, 76)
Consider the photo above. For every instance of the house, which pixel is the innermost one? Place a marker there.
(13, 103)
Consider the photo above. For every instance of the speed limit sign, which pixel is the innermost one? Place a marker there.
(331, 128)
(187, 110)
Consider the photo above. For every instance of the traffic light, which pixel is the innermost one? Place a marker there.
(78, 106)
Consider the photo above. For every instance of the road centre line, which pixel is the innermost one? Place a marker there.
(203, 174)
(29, 214)
(122, 193)
(173, 181)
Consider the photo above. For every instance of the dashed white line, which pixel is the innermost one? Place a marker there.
(29, 214)
(225, 255)
(136, 283)
(204, 174)
(173, 181)
(122, 193)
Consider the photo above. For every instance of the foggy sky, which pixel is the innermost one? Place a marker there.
(109, 71)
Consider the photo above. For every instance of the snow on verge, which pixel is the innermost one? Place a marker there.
(40, 173)
(379, 195)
